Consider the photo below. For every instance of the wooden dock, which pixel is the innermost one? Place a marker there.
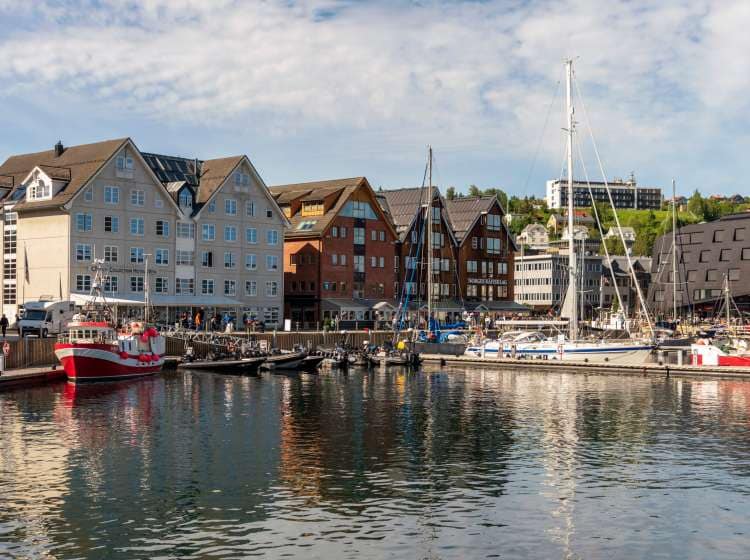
(25, 377)
(544, 366)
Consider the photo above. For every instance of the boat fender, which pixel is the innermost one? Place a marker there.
(124, 355)
(141, 357)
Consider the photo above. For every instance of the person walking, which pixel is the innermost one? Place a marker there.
(4, 324)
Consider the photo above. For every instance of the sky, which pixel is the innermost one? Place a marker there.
(324, 89)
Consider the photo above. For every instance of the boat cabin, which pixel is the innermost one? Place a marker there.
(92, 333)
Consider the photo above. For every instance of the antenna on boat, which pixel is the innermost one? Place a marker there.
(146, 299)
(429, 237)
(572, 274)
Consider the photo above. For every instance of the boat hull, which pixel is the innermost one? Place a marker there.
(99, 362)
(710, 355)
(568, 352)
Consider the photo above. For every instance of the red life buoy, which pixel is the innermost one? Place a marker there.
(124, 355)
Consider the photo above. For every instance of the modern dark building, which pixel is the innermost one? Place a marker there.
(625, 194)
(705, 253)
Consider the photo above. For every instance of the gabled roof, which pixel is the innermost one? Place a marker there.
(317, 190)
(213, 174)
(402, 205)
(77, 165)
(465, 211)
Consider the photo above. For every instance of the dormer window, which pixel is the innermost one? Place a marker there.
(312, 208)
(39, 188)
(186, 200)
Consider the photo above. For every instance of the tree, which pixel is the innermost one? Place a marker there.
(697, 206)
(450, 193)
(614, 246)
(474, 191)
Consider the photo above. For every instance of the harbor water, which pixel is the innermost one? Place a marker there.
(435, 464)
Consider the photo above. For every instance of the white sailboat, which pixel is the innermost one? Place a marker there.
(570, 348)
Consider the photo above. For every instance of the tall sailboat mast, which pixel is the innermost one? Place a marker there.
(429, 236)
(674, 252)
(146, 297)
(572, 271)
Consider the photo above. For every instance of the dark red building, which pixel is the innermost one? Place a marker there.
(338, 254)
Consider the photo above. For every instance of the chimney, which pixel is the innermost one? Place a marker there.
(59, 149)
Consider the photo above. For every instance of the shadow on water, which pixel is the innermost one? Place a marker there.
(428, 464)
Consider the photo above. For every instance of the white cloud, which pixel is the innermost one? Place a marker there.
(659, 78)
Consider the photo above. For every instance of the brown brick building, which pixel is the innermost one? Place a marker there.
(485, 253)
(338, 253)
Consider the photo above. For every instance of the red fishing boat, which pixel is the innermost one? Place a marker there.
(93, 349)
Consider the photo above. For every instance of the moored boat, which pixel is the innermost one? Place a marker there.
(284, 360)
(243, 366)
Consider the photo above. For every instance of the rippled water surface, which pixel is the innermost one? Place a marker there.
(435, 464)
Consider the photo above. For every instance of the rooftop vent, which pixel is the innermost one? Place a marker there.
(59, 149)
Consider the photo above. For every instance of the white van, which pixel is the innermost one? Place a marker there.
(45, 317)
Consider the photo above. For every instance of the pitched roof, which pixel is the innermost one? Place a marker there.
(213, 174)
(77, 165)
(401, 206)
(464, 211)
(316, 190)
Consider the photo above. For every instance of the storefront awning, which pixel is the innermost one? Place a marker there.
(501, 305)
(341, 304)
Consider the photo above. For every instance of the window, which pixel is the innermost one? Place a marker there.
(230, 233)
(712, 275)
(718, 236)
(39, 190)
(342, 232)
(230, 287)
(136, 283)
(272, 237)
(230, 207)
(359, 263)
(269, 213)
(136, 255)
(474, 242)
(111, 195)
(124, 163)
(493, 222)
(705, 256)
(373, 235)
(493, 246)
(111, 284)
(251, 288)
(734, 274)
(746, 254)
(342, 260)
(83, 283)
(161, 257)
(111, 253)
(207, 287)
(207, 259)
(272, 262)
(334, 259)
(161, 285)
(229, 260)
(413, 236)
(158, 202)
(334, 231)
(725, 255)
(251, 262)
(272, 289)
(241, 179)
(184, 257)
(692, 275)
(137, 197)
(111, 224)
(739, 234)
(162, 228)
(212, 207)
(395, 265)
(359, 236)
(84, 222)
(186, 199)
(137, 226)
(250, 208)
(209, 232)
(185, 230)
(382, 235)
(373, 262)
(251, 235)
(184, 286)
(88, 195)
(83, 252)
(435, 214)
(437, 240)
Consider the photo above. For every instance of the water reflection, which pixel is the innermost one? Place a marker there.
(435, 464)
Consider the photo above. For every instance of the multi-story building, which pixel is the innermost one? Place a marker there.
(625, 194)
(706, 254)
(338, 253)
(408, 210)
(533, 235)
(108, 200)
(541, 281)
(485, 253)
(618, 278)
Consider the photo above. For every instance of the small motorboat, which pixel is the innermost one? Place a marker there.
(395, 358)
(310, 363)
(284, 360)
(243, 366)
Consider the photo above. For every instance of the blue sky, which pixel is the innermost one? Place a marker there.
(333, 88)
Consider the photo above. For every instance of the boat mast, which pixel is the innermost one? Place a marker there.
(674, 253)
(429, 236)
(572, 272)
(146, 299)
(727, 298)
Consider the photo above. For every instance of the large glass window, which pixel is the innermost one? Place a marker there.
(230, 233)
(137, 226)
(251, 262)
(207, 287)
(209, 232)
(84, 222)
(111, 195)
(359, 236)
(83, 252)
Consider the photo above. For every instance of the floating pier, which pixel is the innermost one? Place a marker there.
(587, 367)
(25, 377)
